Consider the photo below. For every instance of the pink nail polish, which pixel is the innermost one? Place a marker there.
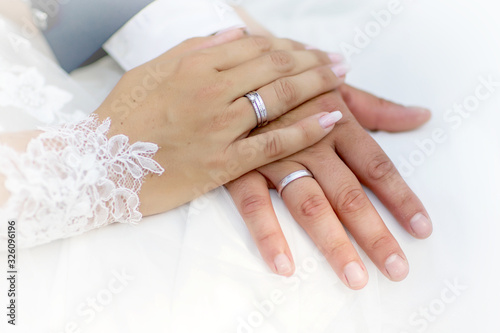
(340, 69)
(328, 120)
(235, 27)
(356, 277)
(309, 47)
(283, 264)
(336, 57)
(421, 226)
(396, 267)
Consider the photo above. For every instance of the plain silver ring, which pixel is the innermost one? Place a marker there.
(290, 178)
(259, 107)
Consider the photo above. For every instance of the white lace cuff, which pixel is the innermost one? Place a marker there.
(72, 179)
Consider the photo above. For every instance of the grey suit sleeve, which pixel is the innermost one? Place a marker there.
(76, 29)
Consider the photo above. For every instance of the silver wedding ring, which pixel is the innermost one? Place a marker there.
(290, 178)
(259, 107)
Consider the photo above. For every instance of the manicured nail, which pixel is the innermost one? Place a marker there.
(421, 226)
(328, 120)
(309, 47)
(356, 277)
(340, 69)
(283, 264)
(396, 267)
(235, 27)
(336, 57)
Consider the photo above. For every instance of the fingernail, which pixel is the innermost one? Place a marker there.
(356, 277)
(328, 120)
(283, 264)
(396, 267)
(336, 57)
(418, 109)
(340, 69)
(230, 29)
(309, 47)
(421, 226)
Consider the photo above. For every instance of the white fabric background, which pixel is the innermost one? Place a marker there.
(195, 269)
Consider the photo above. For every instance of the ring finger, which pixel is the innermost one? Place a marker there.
(310, 208)
(358, 215)
(287, 93)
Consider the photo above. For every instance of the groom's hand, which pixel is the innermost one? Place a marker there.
(334, 198)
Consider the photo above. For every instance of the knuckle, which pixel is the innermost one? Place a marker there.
(274, 147)
(405, 199)
(314, 206)
(290, 44)
(261, 43)
(285, 91)
(296, 46)
(282, 60)
(351, 199)
(319, 154)
(382, 103)
(323, 58)
(381, 242)
(266, 235)
(253, 204)
(335, 249)
(326, 78)
(328, 103)
(305, 134)
(380, 167)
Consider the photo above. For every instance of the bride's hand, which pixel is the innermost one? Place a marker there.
(191, 104)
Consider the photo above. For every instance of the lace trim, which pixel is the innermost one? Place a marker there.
(72, 179)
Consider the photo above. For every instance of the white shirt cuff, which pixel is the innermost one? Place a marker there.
(165, 23)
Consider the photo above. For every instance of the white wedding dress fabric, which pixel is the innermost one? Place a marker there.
(196, 268)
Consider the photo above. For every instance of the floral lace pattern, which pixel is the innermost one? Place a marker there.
(26, 89)
(72, 178)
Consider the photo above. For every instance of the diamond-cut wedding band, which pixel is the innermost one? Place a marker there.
(259, 108)
(290, 178)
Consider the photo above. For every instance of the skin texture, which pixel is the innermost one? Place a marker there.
(334, 199)
(189, 102)
(203, 150)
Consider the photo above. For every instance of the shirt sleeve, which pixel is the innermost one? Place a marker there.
(163, 24)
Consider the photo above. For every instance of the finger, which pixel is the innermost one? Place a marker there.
(357, 213)
(251, 196)
(310, 208)
(228, 56)
(375, 113)
(268, 147)
(270, 67)
(287, 93)
(290, 44)
(374, 169)
(199, 43)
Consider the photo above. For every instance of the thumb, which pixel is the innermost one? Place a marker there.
(375, 113)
